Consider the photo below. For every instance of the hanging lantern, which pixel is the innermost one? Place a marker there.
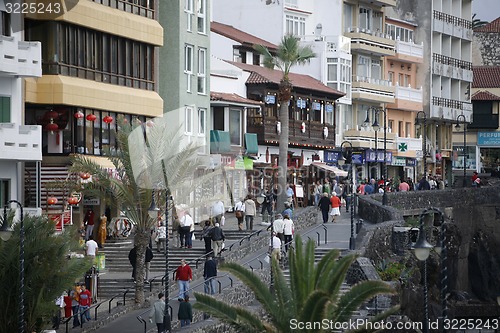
(72, 200)
(91, 117)
(52, 201)
(325, 132)
(51, 114)
(108, 119)
(84, 175)
(303, 127)
(52, 126)
(79, 115)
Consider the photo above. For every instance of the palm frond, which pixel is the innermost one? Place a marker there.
(389, 312)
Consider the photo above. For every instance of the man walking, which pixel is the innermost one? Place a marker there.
(218, 239)
(209, 273)
(157, 312)
(183, 275)
(85, 302)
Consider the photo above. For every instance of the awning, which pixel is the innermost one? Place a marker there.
(251, 143)
(330, 168)
(220, 142)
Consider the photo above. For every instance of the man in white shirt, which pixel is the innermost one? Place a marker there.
(218, 210)
(275, 247)
(91, 247)
(278, 226)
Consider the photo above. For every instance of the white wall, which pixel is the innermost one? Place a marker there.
(8, 170)
(222, 47)
(227, 78)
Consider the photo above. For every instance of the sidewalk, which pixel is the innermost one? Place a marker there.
(337, 235)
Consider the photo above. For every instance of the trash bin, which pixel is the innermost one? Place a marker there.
(101, 261)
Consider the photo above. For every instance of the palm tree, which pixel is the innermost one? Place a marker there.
(312, 295)
(148, 163)
(477, 23)
(48, 272)
(289, 54)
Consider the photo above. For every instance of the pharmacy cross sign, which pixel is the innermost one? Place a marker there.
(403, 147)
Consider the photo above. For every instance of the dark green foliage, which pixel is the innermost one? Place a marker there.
(48, 272)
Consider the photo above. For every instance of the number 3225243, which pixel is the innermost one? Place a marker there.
(33, 8)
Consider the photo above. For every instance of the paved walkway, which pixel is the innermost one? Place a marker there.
(337, 234)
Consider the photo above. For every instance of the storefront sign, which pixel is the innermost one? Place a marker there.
(57, 219)
(92, 202)
(329, 108)
(301, 103)
(378, 156)
(316, 106)
(411, 162)
(488, 139)
(331, 156)
(270, 99)
(357, 157)
(67, 217)
(398, 161)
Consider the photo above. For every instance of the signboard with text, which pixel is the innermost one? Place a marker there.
(488, 139)
(57, 219)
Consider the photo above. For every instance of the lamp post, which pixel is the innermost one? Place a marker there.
(153, 213)
(461, 119)
(422, 250)
(5, 234)
(376, 127)
(347, 154)
(424, 135)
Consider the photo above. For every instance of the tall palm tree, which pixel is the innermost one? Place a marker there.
(312, 295)
(148, 161)
(289, 54)
(477, 23)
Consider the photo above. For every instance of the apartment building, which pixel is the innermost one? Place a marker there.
(99, 62)
(20, 144)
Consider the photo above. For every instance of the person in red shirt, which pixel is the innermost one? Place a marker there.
(183, 275)
(335, 202)
(85, 302)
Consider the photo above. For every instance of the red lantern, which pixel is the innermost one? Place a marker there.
(52, 200)
(108, 119)
(51, 114)
(84, 175)
(79, 115)
(52, 126)
(72, 200)
(91, 117)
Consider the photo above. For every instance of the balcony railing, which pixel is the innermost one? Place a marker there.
(410, 49)
(332, 43)
(364, 79)
(445, 60)
(452, 19)
(451, 103)
(409, 94)
(375, 33)
(144, 8)
(20, 142)
(20, 58)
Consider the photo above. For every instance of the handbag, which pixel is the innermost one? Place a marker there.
(193, 237)
(238, 214)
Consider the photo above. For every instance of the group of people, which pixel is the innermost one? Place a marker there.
(81, 300)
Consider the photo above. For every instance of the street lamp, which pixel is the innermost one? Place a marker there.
(5, 233)
(376, 127)
(422, 250)
(424, 135)
(461, 119)
(153, 213)
(347, 155)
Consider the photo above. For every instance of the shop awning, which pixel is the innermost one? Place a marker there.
(220, 142)
(331, 169)
(251, 143)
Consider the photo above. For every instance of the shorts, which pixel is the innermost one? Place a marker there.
(335, 211)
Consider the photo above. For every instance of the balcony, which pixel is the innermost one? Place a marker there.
(371, 42)
(365, 138)
(372, 90)
(451, 67)
(408, 99)
(313, 136)
(328, 44)
(20, 142)
(449, 109)
(19, 58)
(484, 121)
(409, 52)
(452, 25)
(380, 3)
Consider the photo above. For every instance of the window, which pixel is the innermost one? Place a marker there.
(201, 120)
(6, 25)
(144, 8)
(339, 75)
(4, 109)
(188, 120)
(407, 80)
(202, 17)
(348, 10)
(365, 18)
(399, 33)
(376, 72)
(407, 129)
(188, 65)
(4, 191)
(189, 10)
(363, 69)
(391, 78)
(202, 70)
(235, 126)
(401, 133)
(295, 25)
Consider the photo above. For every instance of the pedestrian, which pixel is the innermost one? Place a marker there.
(183, 275)
(324, 206)
(250, 211)
(75, 304)
(275, 247)
(267, 205)
(158, 312)
(59, 303)
(161, 237)
(239, 212)
(91, 247)
(147, 262)
(347, 195)
(218, 238)
(278, 226)
(218, 210)
(288, 230)
(206, 235)
(318, 191)
(101, 235)
(187, 225)
(290, 194)
(404, 186)
(335, 202)
(209, 274)
(185, 314)
(423, 184)
(288, 209)
(88, 221)
(132, 258)
(85, 302)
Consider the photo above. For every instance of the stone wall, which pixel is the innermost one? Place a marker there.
(486, 49)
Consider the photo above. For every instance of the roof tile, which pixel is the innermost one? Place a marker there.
(493, 26)
(482, 95)
(486, 77)
(239, 36)
(231, 97)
